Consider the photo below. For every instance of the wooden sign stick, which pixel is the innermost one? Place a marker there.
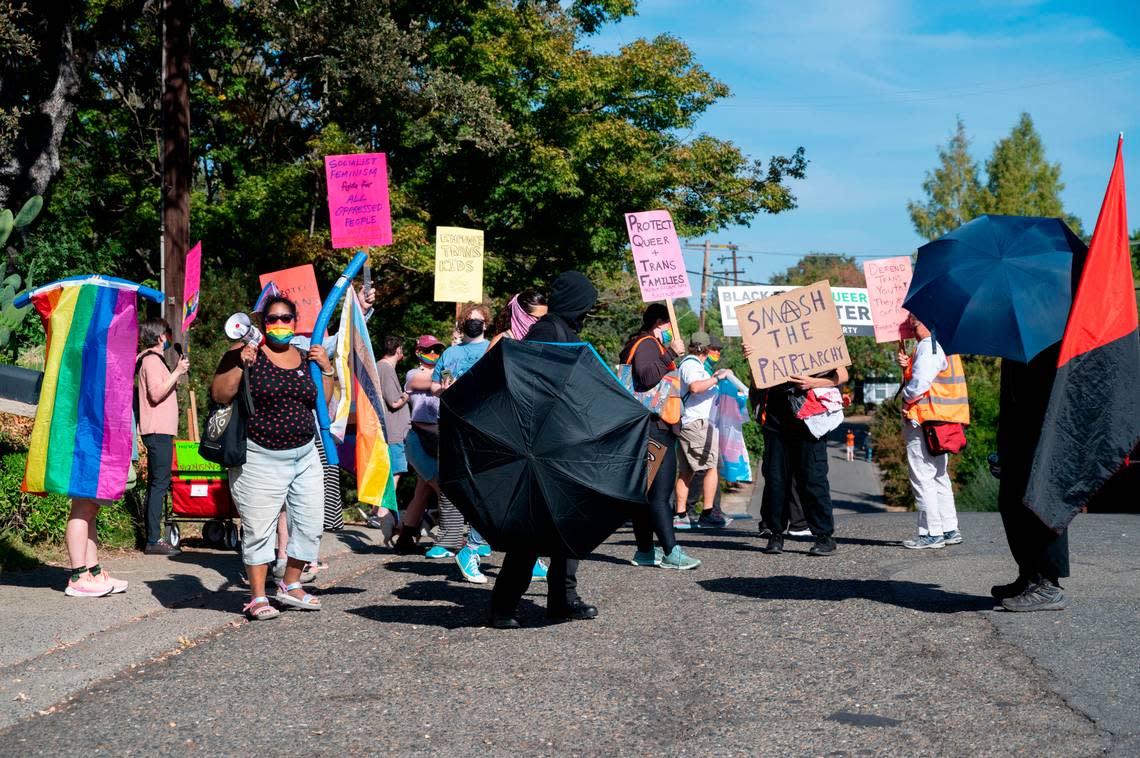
(673, 325)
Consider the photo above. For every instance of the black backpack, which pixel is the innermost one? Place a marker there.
(223, 439)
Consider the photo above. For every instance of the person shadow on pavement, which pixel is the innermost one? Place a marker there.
(188, 591)
(915, 596)
(448, 605)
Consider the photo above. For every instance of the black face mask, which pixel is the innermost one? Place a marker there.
(473, 327)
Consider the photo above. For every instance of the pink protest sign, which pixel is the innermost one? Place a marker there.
(359, 214)
(888, 280)
(190, 286)
(657, 259)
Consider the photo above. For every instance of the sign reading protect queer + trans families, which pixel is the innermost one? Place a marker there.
(657, 258)
(299, 284)
(359, 214)
(888, 279)
(795, 333)
(458, 264)
(850, 304)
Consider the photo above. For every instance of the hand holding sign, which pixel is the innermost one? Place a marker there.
(792, 335)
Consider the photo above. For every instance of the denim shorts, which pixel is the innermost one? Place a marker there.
(269, 479)
(397, 457)
(425, 465)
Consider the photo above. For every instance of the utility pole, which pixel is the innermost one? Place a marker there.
(735, 271)
(176, 166)
(708, 248)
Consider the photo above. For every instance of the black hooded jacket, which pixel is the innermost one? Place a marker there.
(571, 297)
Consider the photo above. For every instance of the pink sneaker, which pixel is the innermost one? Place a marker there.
(88, 586)
(118, 586)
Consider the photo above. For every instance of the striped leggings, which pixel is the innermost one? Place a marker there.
(452, 526)
(334, 510)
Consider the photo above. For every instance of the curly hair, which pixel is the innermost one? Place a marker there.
(469, 308)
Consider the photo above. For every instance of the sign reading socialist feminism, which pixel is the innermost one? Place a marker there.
(888, 280)
(657, 260)
(796, 333)
(359, 214)
(458, 264)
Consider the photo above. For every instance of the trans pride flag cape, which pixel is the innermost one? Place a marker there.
(81, 440)
(360, 394)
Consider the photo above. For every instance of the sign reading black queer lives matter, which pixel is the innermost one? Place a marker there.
(793, 333)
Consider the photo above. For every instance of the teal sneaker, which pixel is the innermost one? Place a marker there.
(468, 563)
(538, 573)
(648, 559)
(482, 549)
(678, 560)
(439, 552)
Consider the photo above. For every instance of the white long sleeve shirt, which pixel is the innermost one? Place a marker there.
(928, 362)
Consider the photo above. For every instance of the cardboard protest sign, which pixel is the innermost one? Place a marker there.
(850, 303)
(888, 280)
(299, 284)
(794, 333)
(190, 286)
(657, 259)
(458, 264)
(359, 213)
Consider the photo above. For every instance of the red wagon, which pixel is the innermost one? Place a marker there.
(200, 493)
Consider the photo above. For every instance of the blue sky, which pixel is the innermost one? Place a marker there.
(871, 88)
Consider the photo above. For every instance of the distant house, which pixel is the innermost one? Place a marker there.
(879, 390)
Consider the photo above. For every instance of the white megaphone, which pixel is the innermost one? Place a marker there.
(239, 327)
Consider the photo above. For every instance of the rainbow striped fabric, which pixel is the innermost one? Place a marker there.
(360, 395)
(81, 440)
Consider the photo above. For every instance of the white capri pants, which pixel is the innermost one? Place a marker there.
(269, 478)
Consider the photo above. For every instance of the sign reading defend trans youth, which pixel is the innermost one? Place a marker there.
(657, 259)
(359, 215)
(794, 333)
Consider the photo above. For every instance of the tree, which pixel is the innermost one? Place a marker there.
(953, 191)
(1020, 181)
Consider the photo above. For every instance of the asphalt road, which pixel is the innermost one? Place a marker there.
(873, 650)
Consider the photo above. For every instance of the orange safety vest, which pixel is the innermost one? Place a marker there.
(947, 399)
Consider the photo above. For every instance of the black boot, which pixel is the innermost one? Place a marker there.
(578, 610)
(775, 545)
(823, 546)
(1013, 589)
(503, 622)
(1041, 595)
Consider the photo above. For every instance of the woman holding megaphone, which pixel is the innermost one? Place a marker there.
(282, 463)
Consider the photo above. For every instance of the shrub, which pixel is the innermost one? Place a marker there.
(890, 454)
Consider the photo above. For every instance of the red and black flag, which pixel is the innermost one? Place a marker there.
(1093, 420)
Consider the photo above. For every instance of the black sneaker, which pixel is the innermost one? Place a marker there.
(1013, 589)
(504, 622)
(823, 546)
(1041, 595)
(579, 610)
(162, 547)
(775, 545)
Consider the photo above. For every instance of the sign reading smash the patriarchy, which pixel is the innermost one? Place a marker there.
(851, 304)
(458, 264)
(359, 214)
(657, 260)
(888, 279)
(796, 333)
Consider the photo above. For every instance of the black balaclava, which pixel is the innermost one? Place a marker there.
(572, 296)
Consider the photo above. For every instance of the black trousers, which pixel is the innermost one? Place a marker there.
(657, 519)
(159, 462)
(793, 460)
(1037, 549)
(514, 579)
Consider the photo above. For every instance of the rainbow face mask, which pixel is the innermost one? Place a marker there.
(666, 336)
(712, 360)
(280, 334)
(427, 360)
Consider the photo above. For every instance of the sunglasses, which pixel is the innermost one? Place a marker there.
(279, 318)
(433, 351)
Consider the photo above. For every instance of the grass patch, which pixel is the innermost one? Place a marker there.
(15, 555)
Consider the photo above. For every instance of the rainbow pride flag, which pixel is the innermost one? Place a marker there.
(81, 440)
(360, 395)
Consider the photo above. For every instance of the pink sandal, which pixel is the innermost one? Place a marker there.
(259, 609)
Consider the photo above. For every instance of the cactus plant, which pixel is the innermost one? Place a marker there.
(10, 315)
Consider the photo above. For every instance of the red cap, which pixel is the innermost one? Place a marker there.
(426, 341)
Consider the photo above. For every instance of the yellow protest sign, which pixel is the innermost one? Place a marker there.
(793, 333)
(458, 264)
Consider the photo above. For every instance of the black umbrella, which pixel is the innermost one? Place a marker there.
(542, 448)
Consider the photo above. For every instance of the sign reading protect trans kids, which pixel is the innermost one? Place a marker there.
(851, 305)
(657, 259)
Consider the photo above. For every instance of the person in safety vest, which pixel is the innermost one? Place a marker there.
(935, 390)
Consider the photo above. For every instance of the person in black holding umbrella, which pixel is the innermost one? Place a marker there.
(571, 297)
